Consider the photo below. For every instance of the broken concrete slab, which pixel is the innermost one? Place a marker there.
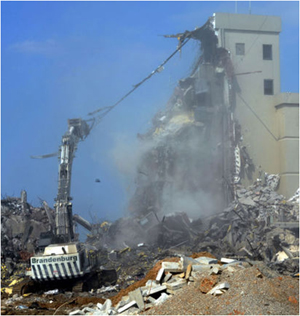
(247, 201)
(157, 289)
(173, 266)
(188, 260)
(215, 270)
(137, 296)
(77, 312)
(107, 305)
(175, 285)
(220, 286)
(127, 306)
(206, 260)
(160, 274)
(150, 290)
(227, 260)
(234, 263)
(167, 277)
(204, 267)
(163, 297)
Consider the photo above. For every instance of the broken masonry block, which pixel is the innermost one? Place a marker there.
(220, 286)
(137, 296)
(77, 312)
(162, 298)
(235, 263)
(247, 201)
(157, 289)
(176, 285)
(214, 270)
(204, 267)
(99, 306)
(127, 306)
(206, 260)
(167, 277)
(107, 305)
(188, 260)
(173, 266)
(160, 274)
(227, 260)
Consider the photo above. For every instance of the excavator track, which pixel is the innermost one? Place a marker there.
(25, 286)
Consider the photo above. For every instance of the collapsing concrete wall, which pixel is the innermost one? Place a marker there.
(189, 165)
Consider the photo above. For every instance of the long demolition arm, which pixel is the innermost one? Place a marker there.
(78, 130)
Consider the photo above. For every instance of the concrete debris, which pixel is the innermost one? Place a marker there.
(219, 289)
(160, 274)
(127, 306)
(174, 285)
(163, 297)
(137, 296)
(172, 266)
(205, 260)
(272, 180)
(295, 197)
(227, 260)
(156, 289)
(104, 289)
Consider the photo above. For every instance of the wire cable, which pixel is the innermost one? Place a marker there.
(107, 109)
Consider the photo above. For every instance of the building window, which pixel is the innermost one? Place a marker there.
(239, 48)
(268, 87)
(267, 52)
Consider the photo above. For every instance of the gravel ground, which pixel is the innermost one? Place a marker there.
(250, 293)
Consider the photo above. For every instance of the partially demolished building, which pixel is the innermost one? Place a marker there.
(226, 124)
(269, 118)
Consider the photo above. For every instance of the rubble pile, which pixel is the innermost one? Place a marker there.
(260, 225)
(21, 226)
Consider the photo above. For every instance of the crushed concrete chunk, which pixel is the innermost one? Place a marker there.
(77, 312)
(206, 260)
(100, 306)
(214, 270)
(227, 260)
(204, 267)
(162, 299)
(137, 296)
(176, 284)
(167, 277)
(127, 306)
(220, 286)
(247, 201)
(172, 266)
(107, 305)
(160, 274)
(157, 289)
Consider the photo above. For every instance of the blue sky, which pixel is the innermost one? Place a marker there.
(62, 60)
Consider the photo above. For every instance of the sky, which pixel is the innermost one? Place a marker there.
(64, 59)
